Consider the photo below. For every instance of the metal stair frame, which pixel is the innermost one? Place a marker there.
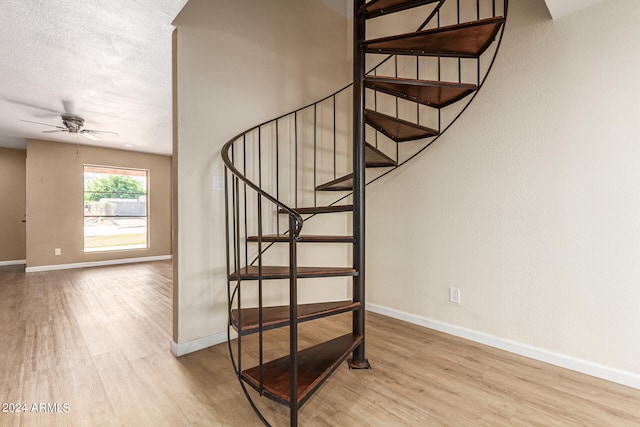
(238, 184)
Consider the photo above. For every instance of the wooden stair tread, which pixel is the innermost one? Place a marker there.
(344, 183)
(303, 239)
(321, 209)
(278, 316)
(282, 272)
(315, 365)
(375, 158)
(397, 129)
(383, 7)
(467, 40)
(431, 93)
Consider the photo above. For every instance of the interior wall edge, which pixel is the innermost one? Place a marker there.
(180, 349)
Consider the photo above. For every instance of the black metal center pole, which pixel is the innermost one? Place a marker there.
(293, 324)
(359, 360)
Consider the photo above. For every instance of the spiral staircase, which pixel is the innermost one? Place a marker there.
(313, 164)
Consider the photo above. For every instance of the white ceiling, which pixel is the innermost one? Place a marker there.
(560, 8)
(344, 8)
(106, 61)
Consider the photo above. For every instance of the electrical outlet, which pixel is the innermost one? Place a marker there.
(57, 251)
(454, 295)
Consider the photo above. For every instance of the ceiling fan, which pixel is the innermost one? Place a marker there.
(74, 124)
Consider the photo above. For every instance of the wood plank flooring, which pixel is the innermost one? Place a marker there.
(97, 340)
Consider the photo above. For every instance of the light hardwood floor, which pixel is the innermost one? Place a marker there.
(98, 340)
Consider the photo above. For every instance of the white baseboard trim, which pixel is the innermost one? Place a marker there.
(95, 263)
(14, 262)
(180, 349)
(628, 379)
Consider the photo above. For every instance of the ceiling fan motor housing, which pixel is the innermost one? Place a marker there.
(73, 123)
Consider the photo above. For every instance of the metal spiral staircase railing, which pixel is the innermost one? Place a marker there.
(292, 166)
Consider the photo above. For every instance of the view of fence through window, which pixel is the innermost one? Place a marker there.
(115, 208)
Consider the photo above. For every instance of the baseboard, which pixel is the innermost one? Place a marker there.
(628, 379)
(14, 262)
(95, 263)
(180, 349)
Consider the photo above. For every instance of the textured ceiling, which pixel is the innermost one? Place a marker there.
(560, 8)
(106, 61)
(344, 8)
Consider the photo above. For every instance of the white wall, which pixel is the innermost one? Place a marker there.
(530, 204)
(240, 62)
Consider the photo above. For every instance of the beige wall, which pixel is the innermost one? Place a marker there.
(240, 62)
(530, 204)
(13, 204)
(55, 201)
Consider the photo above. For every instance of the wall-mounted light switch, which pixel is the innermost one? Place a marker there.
(218, 183)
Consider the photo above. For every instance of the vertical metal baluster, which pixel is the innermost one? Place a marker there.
(246, 234)
(315, 154)
(277, 175)
(228, 244)
(260, 157)
(293, 324)
(459, 59)
(396, 61)
(227, 240)
(417, 78)
(439, 72)
(478, 9)
(260, 319)
(259, 201)
(334, 138)
(238, 278)
(375, 105)
(375, 92)
(296, 157)
(236, 261)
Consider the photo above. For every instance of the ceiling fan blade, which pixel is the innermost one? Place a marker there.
(54, 131)
(44, 124)
(90, 136)
(68, 106)
(100, 131)
(34, 106)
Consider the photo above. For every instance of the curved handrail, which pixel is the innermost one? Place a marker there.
(229, 164)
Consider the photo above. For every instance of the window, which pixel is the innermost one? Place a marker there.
(115, 208)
